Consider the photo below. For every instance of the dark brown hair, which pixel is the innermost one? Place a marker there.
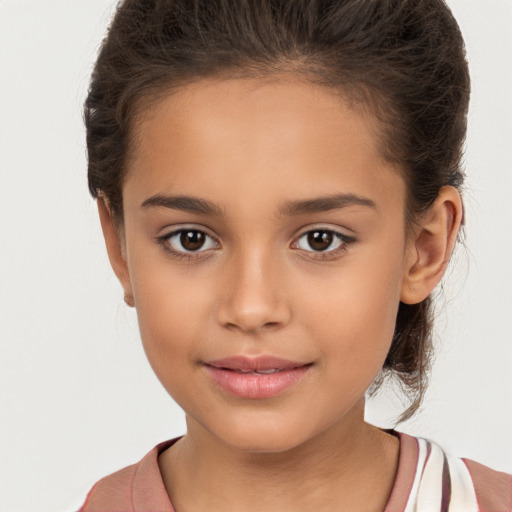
(403, 60)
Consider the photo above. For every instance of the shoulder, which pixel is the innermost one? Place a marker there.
(493, 489)
(428, 479)
(136, 487)
(114, 490)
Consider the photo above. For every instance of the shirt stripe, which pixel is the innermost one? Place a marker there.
(442, 483)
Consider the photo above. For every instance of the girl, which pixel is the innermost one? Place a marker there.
(278, 185)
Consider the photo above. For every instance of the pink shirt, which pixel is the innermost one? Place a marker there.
(427, 480)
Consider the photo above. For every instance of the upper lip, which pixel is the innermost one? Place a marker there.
(255, 363)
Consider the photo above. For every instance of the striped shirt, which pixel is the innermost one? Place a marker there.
(427, 480)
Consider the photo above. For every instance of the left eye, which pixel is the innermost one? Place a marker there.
(189, 240)
(321, 240)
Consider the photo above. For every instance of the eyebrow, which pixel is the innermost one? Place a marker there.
(324, 204)
(185, 203)
(202, 206)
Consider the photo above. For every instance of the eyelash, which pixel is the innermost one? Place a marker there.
(345, 242)
(181, 255)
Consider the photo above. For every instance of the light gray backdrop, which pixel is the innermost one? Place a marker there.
(78, 399)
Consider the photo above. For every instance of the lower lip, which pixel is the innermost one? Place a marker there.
(256, 385)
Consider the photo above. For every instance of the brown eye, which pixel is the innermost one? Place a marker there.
(192, 240)
(183, 241)
(320, 240)
(323, 241)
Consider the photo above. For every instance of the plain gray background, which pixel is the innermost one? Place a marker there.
(78, 399)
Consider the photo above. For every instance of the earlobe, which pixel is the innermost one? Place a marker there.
(115, 249)
(431, 246)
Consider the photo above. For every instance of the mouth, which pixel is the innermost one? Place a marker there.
(256, 378)
(260, 364)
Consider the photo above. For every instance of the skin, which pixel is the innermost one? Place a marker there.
(250, 146)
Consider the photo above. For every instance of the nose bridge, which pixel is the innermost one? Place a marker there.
(253, 297)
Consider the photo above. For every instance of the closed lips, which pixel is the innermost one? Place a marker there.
(262, 372)
(261, 364)
(271, 370)
(255, 378)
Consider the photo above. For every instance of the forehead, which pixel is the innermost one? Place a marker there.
(288, 103)
(284, 134)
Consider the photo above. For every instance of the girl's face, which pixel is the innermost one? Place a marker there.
(261, 222)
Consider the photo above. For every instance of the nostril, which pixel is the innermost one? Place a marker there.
(251, 311)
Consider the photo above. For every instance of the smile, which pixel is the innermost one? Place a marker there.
(255, 378)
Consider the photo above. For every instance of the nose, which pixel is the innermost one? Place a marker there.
(253, 296)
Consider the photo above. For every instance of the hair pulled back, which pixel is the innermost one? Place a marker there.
(404, 60)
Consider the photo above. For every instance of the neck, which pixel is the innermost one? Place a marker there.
(333, 471)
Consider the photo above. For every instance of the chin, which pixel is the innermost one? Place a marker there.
(261, 444)
(260, 436)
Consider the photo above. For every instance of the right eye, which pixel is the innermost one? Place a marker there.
(187, 241)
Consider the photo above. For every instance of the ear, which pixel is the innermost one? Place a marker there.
(115, 249)
(431, 245)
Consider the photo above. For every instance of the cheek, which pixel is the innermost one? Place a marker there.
(353, 315)
(173, 309)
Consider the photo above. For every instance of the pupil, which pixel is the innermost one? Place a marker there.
(192, 240)
(320, 240)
